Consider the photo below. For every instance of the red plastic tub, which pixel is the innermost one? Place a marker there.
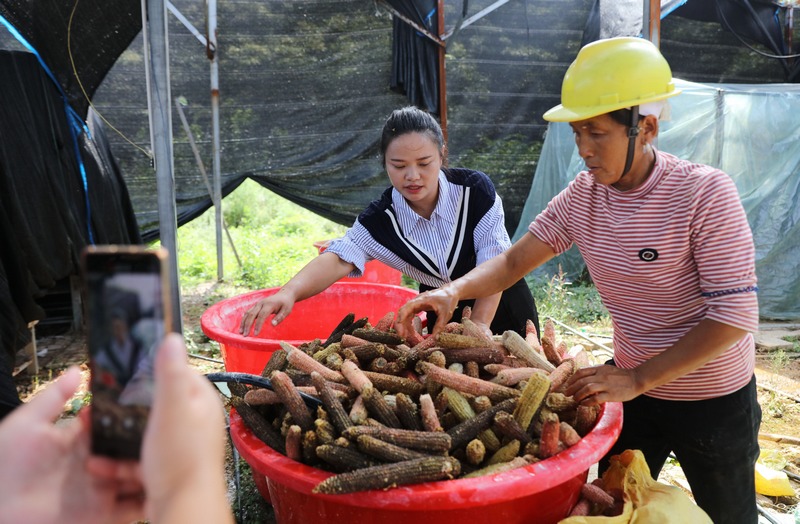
(312, 318)
(374, 271)
(542, 493)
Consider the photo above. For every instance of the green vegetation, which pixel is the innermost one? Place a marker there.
(568, 302)
(273, 237)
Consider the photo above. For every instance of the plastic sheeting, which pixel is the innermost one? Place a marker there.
(749, 131)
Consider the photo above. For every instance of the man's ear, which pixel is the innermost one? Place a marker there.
(649, 128)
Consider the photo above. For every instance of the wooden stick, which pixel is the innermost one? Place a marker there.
(781, 439)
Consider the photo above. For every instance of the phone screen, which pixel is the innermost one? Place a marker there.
(126, 312)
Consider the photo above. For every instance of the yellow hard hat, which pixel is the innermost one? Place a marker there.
(611, 74)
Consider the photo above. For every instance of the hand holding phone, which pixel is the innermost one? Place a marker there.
(127, 308)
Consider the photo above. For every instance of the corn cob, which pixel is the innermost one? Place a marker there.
(471, 329)
(373, 335)
(367, 351)
(561, 374)
(507, 425)
(561, 348)
(549, 349)
(408, 412)
(309, 446)
(309, 348)
(597, 495)
(340, 327)
(358, 411)
(456, 367)
(548, 442)
(549, 329)
(379, 408)
(513, 376)
(585, 419)
(471, 369)
(559, 402)
(386, 451)
(453, 327)
(580, 356)
(395, 384)
(349, 355)
(326, 433)
(469, 429)
(336, 337)
(475, 452)
(457, 341)
(532, 398)
(466, 313)
(460, 407)
(428, 415)
(531, 336)
(305, 363)
(386, 322)
(261, 397)
(480, 355)
(294, 447)
(355, 376)
(517, 346)
(334, 362)
(516, 462)
(258, 425)
(481, 403)
(390, 475)
(291, 398)
(494, 369)
(436, 358)
(568, 435)
(277, 362)
(419, 440)
(582, 508)
(379, 365)
(465, 384)
(505, 453)
(344, 458)
(324, 353)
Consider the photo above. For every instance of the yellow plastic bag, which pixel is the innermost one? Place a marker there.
(646, 501)
(772, 483)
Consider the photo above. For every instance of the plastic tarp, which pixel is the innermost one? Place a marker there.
(749, 131)
(43, 204)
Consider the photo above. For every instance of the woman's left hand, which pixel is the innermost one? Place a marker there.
(596, 385)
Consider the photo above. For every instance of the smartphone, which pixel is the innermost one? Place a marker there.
(127, 299)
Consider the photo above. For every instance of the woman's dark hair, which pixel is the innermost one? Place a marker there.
(411, 119)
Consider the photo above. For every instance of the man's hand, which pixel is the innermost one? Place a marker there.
(442, 301)
(596, 385)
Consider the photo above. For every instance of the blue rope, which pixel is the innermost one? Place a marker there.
(76, 124)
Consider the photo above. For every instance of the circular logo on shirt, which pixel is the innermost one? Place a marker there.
(648, 255)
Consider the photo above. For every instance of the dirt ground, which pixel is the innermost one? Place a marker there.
(778, 376)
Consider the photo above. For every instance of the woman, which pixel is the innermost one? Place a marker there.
(669, 248)
(434, 224)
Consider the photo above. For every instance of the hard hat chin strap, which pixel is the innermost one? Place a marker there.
(633, 132)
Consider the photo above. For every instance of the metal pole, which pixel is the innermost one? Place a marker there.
(442, 75)
(161, 126)
(217, 197)
(651, 21)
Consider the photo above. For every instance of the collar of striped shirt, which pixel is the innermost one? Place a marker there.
(446, 207)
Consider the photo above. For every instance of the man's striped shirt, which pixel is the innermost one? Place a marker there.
(664, 256)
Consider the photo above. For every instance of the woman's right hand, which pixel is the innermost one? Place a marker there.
(280, 304)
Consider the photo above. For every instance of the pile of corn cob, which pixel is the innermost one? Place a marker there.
(458, 404)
